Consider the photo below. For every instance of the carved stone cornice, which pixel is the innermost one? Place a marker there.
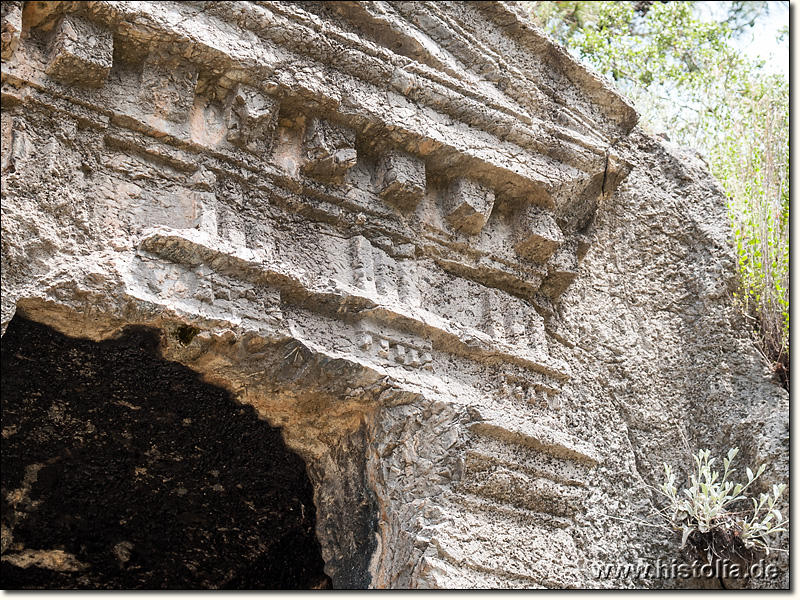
(358, 216)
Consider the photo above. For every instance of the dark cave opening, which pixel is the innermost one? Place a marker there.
(121, 470)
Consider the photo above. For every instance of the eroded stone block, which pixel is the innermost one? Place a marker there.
(81, 52)
(401, 179)
(329, 149)
(362, 263)
(617, 169)
(168, 85)
(539, 235)
(562, 269)
(468, 205)
(10, 28)
(250, 117)
(43, 14)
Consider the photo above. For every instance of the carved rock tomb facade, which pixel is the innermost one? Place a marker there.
(398, 232)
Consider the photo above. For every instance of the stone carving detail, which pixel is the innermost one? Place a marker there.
(168, 85)
(81, 52)
(562, 269)
(514, 484)
(406, 316)
(329, 150)
(539, 235)
(10, 27)
(250, 117)
(363, 264)
(401, 179)
(468, 205)
(399, 352)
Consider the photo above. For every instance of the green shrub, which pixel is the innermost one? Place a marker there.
(688, 81)
(704, 513)
(752, 163)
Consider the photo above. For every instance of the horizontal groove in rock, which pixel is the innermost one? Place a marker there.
(558, 444)
(193, 248)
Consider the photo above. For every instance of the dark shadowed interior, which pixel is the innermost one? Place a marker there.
(121, 470)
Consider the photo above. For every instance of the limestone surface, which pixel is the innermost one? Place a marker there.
(420, 239)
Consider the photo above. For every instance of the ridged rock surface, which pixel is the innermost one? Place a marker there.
(420, 239)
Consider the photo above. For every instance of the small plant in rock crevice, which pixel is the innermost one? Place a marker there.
(714, 515)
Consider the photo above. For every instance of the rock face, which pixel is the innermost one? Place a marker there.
(418, 238)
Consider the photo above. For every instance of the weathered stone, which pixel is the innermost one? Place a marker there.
(562, 269)
(330, 150)
(81, 52)
(10, 27)
(45, 14)
(538, 234)
(251, 118)
(617, 169)
(168, 84)
(481, 410)
(401, 179)
(468, 205)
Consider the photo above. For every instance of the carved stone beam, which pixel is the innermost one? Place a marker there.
(168, 86)
(468, 205)
(401, 179)
(250, 117)
(81, 52)
(539, 235)
(330, 150)
(562, 269)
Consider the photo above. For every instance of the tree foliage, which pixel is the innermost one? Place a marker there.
(688, 80)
